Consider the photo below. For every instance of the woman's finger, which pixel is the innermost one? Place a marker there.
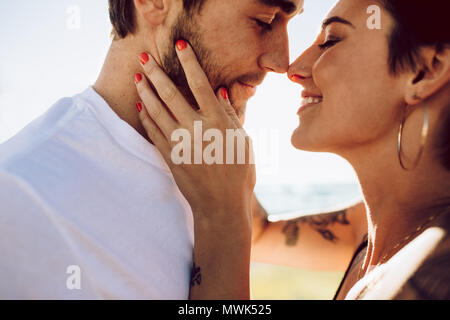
(156, 110)
(222, 96)
(196, 77)
(167, 90)
(153, 131)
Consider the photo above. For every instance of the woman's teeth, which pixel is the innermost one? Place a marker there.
(311, 100)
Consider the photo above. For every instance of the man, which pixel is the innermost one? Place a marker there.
(89, 209)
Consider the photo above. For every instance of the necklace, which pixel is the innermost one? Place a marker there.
(405, 239)
(410, 236)
(402, 242)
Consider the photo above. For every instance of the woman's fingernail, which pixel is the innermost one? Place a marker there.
(138, 78)
(224, 93)
(181, 45)
(144, 58)
(139, 106)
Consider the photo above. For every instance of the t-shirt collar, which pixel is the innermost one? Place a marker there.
(122, 132)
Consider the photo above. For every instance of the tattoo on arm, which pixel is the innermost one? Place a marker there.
(196, 276)
(318, 222)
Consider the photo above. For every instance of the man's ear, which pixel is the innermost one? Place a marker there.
(432, 75)
(154, 12)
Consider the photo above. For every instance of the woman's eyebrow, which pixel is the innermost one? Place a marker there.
(337, 20)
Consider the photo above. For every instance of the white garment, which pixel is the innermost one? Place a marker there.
(79, 186)
(386, 281)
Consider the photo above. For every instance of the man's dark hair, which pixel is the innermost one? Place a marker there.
(123, 19)
(418, 24)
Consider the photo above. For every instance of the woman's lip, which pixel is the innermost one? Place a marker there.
(306, 95)
(310, 94)
(302, 108)
(306, 105)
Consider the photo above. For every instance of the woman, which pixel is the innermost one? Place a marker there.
(377, 97)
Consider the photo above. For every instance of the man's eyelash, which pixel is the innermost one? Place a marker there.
(263, 25)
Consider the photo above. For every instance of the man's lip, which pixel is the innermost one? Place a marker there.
(249, 85)
(251, 89)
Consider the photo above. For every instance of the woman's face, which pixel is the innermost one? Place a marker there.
(355, 99)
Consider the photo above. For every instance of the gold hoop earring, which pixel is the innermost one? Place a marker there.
(422, 142)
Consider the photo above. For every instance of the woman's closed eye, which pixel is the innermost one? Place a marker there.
(329, 43)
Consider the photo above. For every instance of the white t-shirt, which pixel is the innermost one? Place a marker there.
(90, 210)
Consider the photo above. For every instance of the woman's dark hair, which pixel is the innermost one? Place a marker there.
(121, 14)
(417, 24)
(443, 143)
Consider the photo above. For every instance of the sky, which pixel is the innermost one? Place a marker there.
(53, 49)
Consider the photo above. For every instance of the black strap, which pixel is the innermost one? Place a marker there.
(361, 247)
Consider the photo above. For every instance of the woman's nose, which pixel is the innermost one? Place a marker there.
(298, 72)
(301, 68)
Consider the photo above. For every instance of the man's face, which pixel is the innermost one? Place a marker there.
(236, 41)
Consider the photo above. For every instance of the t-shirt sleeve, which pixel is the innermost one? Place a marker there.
(35, 259)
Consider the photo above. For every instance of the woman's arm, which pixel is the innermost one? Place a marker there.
(324, 241)
(219, 194)
(221, 261)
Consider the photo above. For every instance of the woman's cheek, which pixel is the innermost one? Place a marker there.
(326, 76)
(324, 66)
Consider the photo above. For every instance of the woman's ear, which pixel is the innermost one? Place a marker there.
(153, 12)
(432, 75)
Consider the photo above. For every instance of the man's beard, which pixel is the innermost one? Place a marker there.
(186, 28)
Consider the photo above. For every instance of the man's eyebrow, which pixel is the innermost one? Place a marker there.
(286, 6)
(336, 19)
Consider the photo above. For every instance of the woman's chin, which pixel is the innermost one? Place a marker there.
(302, 141)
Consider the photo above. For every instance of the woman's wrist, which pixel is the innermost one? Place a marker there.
(221, 269)
(221, 255)
(223, 224)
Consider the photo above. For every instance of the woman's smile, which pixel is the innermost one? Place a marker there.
(309, 101)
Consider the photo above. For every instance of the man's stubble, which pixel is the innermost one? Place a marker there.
(186, 28)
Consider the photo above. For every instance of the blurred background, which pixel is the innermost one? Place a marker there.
(52, 49)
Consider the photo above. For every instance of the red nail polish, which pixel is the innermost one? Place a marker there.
(181, 45)
(144, 58)
(139, 106)
(138, 77)
(224, 93)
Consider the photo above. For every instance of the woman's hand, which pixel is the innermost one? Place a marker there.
(166, 115)
(219, 193)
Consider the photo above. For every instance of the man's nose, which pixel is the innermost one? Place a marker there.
(276, 56)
